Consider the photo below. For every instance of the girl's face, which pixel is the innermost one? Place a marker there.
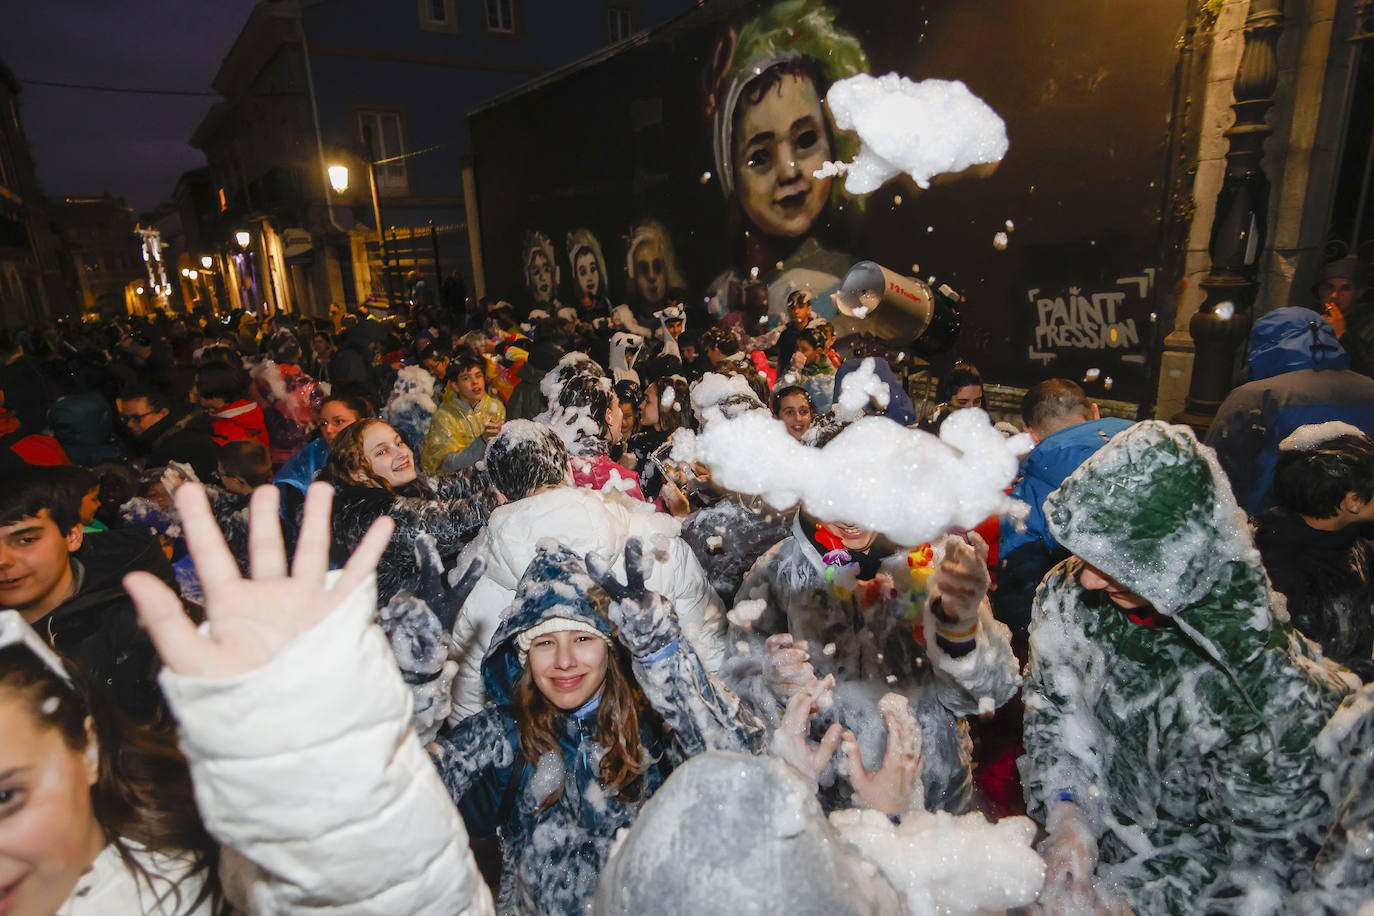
(541, 278)
(968, 396)
(568, 667)
(780, 143)
(807, 351)
(587, 274)
(387, 455)
(48, 832)
(335, 417)
(795, 413)
(648, 410)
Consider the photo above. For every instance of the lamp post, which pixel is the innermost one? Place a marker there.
(338, 180)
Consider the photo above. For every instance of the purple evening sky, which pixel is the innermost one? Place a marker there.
(85, 143)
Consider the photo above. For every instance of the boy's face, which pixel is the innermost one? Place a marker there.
(1094, 579)
(35, 564)
(780, 143)
(470, 385)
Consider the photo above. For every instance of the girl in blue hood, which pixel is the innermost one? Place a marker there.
(594, 698)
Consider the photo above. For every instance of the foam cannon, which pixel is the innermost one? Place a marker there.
(903, 312)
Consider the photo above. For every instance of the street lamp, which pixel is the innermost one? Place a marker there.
(206, 261)
(338, 178)
(139, 290)
(243, 238)
(185, 272)
(192, 274)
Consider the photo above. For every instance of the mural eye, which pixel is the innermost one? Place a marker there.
(759, 158)
(808, 138)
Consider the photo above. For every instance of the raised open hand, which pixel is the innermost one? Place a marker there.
(896, 788)
(444, 599)
(249, 620)
(645, 621)
(790, 742)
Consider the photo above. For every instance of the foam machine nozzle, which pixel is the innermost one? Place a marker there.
(903, 311)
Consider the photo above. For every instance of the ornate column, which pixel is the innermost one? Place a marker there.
(1222, 322)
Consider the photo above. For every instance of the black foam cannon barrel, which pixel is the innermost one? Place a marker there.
(899, 310)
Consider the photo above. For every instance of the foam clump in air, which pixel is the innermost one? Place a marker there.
(922, 128)
(859, 388)
(905, 483)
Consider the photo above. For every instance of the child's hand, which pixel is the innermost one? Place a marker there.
(645, 621)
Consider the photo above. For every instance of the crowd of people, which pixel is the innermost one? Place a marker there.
(517, 603)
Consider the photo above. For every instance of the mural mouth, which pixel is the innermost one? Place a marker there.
(793, 201)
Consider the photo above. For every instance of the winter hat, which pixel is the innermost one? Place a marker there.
(553, 625)
(545, 355)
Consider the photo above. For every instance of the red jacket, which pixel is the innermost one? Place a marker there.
(239, 420)
(594, 472)
(33, 448)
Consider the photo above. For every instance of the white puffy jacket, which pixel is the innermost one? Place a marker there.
(584, 521)
(308, 768)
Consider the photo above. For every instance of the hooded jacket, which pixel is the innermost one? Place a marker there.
(1299, 374)
(1200, 748)
(585, 521)
(84, 422)
(867, 641)
(554, 855)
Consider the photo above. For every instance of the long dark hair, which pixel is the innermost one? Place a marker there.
(618, 720)
(142, 794)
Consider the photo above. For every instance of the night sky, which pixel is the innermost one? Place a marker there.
(85, 143)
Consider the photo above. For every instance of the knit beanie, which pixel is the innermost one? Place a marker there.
(526, 638)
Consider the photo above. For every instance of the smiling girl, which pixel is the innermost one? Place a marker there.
(593, 699)
(375, 474)
(96, 817)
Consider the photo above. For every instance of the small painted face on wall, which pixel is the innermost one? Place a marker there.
(780, 143)
(541, 278)
(651, 272)
(587, 275)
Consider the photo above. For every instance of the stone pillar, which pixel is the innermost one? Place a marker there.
(1222, 322)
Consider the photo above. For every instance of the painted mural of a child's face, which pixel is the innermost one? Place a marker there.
(541, 277)
(587, 274)
(651, 271)
(780, 140)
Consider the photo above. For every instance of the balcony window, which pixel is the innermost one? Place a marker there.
(619, 23)
(500, 16)
(381, 133)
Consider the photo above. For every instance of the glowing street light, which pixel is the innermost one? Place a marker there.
(185, 272)
(243, 238)
(206, 261)
(338, 178)
(192, 274)
(139, 290)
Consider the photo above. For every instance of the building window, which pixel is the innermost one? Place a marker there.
(620, 23)
(381, 134)
(500, 15)
(438, 16)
